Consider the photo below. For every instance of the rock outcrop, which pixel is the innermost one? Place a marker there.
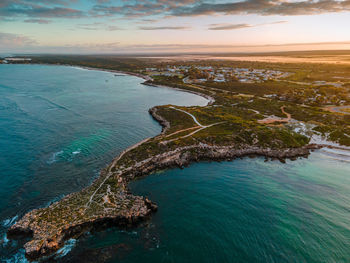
(48, 237)
(163, 122)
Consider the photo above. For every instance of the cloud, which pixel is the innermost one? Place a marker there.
(228, 26)
(266, 7)
(155, 9)
(56, 12)
(118, 48)
(148, 20)
(138, 9)
(165, 8)
(93, 26)
(163, 27)
(98, 26)
(113, 28)
(277, 22)
(38, 21)
(8, 40)
(39, 9)
(240, 26)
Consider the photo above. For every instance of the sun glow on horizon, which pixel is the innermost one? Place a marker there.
(164, 26)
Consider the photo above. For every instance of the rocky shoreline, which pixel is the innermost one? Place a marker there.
(45, 242)
(163, 122)
(108, 202)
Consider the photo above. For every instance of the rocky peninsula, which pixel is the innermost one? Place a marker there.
(230, 127)
(107, 202)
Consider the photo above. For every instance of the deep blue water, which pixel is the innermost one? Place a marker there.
(60, 125)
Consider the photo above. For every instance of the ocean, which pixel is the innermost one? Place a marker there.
(60, 125)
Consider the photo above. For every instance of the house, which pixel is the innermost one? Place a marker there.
(219, 78)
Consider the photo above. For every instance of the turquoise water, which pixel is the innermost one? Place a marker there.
(242, 211)
(60, 125)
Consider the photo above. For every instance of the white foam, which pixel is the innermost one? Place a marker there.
(10, 221)
(54, 200)
(4, 241)
(18, 258)
(54, 156)
(66, 248)
(80, 68)
(76, 152)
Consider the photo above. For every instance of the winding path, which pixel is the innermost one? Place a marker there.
(193, 117)
(110, 173)
(111, 166)
(200, 126)
(188, 129)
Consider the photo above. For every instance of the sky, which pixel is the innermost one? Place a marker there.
(156, 26)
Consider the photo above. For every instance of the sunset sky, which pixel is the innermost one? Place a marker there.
(119, 26)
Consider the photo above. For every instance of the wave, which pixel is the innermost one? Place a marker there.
(20, 256)
(76, 152)
(17, 258)
(54, 156)
(66, 155)
(54, 200)
(9, 222)
(65, 249)
(4, 241)
(57, 105)
(339, 154)
(63, 155)
(80, 68)
(83, 145)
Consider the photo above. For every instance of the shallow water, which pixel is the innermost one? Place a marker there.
(60, 125)
(242, 211)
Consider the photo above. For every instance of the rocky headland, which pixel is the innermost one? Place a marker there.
(107, 202)
(184, 140)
